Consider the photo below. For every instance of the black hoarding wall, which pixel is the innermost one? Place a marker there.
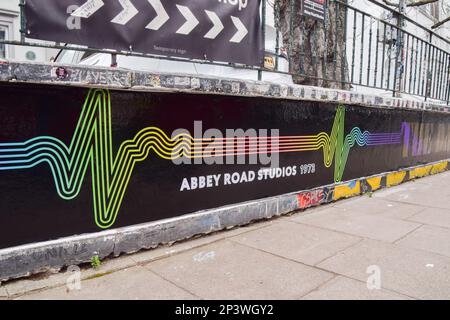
(76, 160)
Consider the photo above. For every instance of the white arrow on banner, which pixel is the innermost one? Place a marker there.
(161, 15)
(242, 30)
(128, 12)
(191, 20)
(88, 9)
(218, 25)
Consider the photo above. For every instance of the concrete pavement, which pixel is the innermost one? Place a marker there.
(396, 241)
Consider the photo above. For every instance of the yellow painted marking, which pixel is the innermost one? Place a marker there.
(375, 183)
(419, 172)
(346, 191)
(439, 167)
(395, 178)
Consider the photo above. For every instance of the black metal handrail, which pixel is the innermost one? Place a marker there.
(376, 53)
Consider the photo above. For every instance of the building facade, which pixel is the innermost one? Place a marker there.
(10, 30)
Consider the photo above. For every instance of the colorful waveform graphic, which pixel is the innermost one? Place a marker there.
(91, 147)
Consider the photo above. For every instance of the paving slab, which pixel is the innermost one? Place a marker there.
(414, 273)
(426, 195)
(430, 199)
(404, 191)
(49, 280)
(128, 284)
(351, 222)
(302, 243)
(146, 256)
(228, 270)
(443, 180)
(37, 282)
(361, 205)
(433, 216)
(401, 211)
(381, 207)
(342, 288)
(429, 238)
(327, 210)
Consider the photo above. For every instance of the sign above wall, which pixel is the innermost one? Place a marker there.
(219, 30)
(314, 9)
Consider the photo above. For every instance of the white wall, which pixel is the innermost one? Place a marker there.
(10, 18)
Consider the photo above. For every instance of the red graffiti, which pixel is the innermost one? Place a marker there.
(310, 198)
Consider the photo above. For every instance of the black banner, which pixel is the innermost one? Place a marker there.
(228, 309)
(219, 30)
(76, 160)
(314, 9)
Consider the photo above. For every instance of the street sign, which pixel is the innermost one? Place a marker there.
(219, 30)
(314, 9)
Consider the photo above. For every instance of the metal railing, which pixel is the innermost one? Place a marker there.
(378, 53)
(394, 58)
(392, 53)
